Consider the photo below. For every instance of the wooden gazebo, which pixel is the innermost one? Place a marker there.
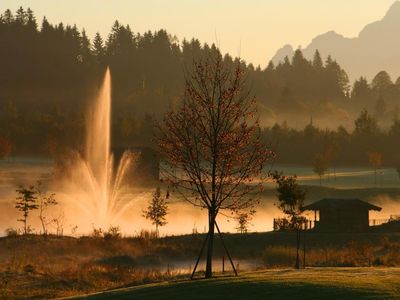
(341, 215)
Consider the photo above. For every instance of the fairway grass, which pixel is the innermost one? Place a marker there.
(311, 283)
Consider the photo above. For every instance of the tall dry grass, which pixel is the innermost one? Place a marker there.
(48, 267)
(353, 254)
(35, 266)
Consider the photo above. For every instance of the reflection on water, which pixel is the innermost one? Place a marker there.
(361, 177)
(23, 170)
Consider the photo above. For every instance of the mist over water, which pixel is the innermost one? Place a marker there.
(93, 192)
(77, 198)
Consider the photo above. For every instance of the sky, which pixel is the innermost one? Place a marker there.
(251, 29)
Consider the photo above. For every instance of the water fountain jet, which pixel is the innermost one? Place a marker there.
(93, 184)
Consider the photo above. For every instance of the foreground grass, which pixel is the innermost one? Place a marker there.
(313, 283)
(37, 267)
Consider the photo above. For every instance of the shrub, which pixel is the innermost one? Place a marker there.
(11, 232)
(97, 233)
(147, 234)
(113, 232)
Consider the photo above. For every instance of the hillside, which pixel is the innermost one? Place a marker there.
(315, 283)
(376, 48)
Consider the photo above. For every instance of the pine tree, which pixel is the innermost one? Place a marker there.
(317, 61)
(112, 46)
(298, 60)
(20, 16)
(85, 50)
(31, 20)
(337, 78)
(365, 125)
(26, 201)
(361, 89)
(157, 210)
(270, 67)
(46, 27)
(98, 47)
(7, 18)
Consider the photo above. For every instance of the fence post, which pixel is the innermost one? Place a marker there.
(223, 264)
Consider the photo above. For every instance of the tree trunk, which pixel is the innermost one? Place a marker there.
(25, 223)
(43, 224)
(297, 266)
(304, 248)
(211, 225)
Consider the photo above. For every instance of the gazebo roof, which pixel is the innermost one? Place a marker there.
(332, 203)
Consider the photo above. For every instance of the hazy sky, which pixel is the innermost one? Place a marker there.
(255, 29)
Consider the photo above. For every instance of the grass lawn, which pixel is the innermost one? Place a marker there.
(313, 283)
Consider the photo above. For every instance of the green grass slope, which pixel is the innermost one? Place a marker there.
(313, 283)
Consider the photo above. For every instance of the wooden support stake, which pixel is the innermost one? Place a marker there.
(223, 264)
(226, 249)
(198, 259)
(304, 249)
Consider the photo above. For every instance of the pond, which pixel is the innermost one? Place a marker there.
(184, 218)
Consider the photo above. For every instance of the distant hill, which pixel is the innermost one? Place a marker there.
(376, 48)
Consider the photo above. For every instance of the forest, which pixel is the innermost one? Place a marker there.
(49, 71)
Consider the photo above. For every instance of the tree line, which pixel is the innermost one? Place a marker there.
(48, 72)
(336, 147)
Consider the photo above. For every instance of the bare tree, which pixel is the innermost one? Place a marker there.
(26, 201)
(331, 152)
(157, 210)
(59, 223)
(243, 221)
(211, 146)
(290, 200)
(45, 201)
(375, 159)
(320, 166)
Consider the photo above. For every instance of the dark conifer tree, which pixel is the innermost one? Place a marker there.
(98, 48)
(317, 61)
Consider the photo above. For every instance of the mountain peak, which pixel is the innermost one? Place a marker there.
(286, 50)
(377, 47)
(327, 35)
(394, 12)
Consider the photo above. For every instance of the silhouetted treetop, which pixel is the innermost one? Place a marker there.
(49, 71)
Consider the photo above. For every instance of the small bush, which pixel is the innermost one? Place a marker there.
(11, 232)
(97, 233)
(114, 232)
(147, 234)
